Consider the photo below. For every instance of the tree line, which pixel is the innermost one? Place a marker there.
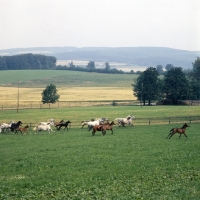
(27, 61)
(172, 88)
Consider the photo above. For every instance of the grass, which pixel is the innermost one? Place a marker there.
(133, 163)
(63, 78)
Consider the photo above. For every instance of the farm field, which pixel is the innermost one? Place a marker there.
(136, 162)
(72, 86)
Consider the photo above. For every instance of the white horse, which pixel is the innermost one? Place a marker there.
(91, 124)
(51, 121)
(41, 127)
(6, 126)
(127, 120)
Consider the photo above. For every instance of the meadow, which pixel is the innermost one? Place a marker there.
(136, 162)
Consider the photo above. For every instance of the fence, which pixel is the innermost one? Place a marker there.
(139, 121)
(67, 104)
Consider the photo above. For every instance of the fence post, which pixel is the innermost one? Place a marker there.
(149, 121)
(2, 107)
(169, 120)
(190, 120)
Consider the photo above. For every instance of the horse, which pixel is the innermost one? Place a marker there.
(108, 127)
(97, 128)
(83, 123)
(64, 124)
(123, 121)
(178, 130)
(91, 124)
(6, 126)
(41, 127)
(15, 126)
(24, 129)
(103, 128)
(58, 123)
(51, 121)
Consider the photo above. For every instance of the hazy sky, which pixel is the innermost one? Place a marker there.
(100, 23)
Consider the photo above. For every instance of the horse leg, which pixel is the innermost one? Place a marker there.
(93, 132)
(185, 135)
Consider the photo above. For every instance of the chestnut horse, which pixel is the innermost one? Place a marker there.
(24, 129)
(178, 130)
(103, 128)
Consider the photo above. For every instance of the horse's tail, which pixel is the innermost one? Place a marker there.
(172, 130)
(35, 128)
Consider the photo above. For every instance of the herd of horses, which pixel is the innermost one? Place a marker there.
(100, 124)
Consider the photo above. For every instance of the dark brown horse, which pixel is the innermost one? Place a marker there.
(65, 124)
(178, 130)
(56, 124)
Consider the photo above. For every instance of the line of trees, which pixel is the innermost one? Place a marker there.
(172, 88)
(90, 67)
(27, 61)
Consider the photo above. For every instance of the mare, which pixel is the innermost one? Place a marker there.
(103, 128)
(123, 121)
(51, 121)
(97, 128)
(65, 124)
(6, 126)
(58, 123)
(15, 126)
(178, 130)
(91, 124)
(83, 123)
(108, 127)
(24, 129)
(41, 127)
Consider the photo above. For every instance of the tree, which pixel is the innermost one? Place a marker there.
(176, 85)
(107, 68)
(169, 67)
(91, 65)
(148, 86)
(196, 69)
(160, 69)
(49, 95)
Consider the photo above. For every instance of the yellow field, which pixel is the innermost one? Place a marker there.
(9, 95)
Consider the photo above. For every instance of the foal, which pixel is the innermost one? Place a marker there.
(24, 129)
(178, 130)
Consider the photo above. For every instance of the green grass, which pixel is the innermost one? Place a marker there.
(134, 163)
(64, 78)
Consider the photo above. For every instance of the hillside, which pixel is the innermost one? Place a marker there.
(140, 56)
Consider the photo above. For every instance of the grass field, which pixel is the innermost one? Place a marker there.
(133, 163)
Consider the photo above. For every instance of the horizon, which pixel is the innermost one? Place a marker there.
(100, 23)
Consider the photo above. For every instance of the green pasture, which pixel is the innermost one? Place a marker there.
(64, 78)
(136, 162)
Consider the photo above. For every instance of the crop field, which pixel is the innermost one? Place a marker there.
(72, 86)
(136, 162)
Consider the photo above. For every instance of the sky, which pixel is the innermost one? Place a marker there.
(100, 23)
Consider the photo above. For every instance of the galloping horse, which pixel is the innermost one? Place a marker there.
(14, 126)
(58, 123)
(24, 129)
(103, 128)
(6, 126)
(178, 130)
(108, 127)
(65, 124)
(123, 121)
